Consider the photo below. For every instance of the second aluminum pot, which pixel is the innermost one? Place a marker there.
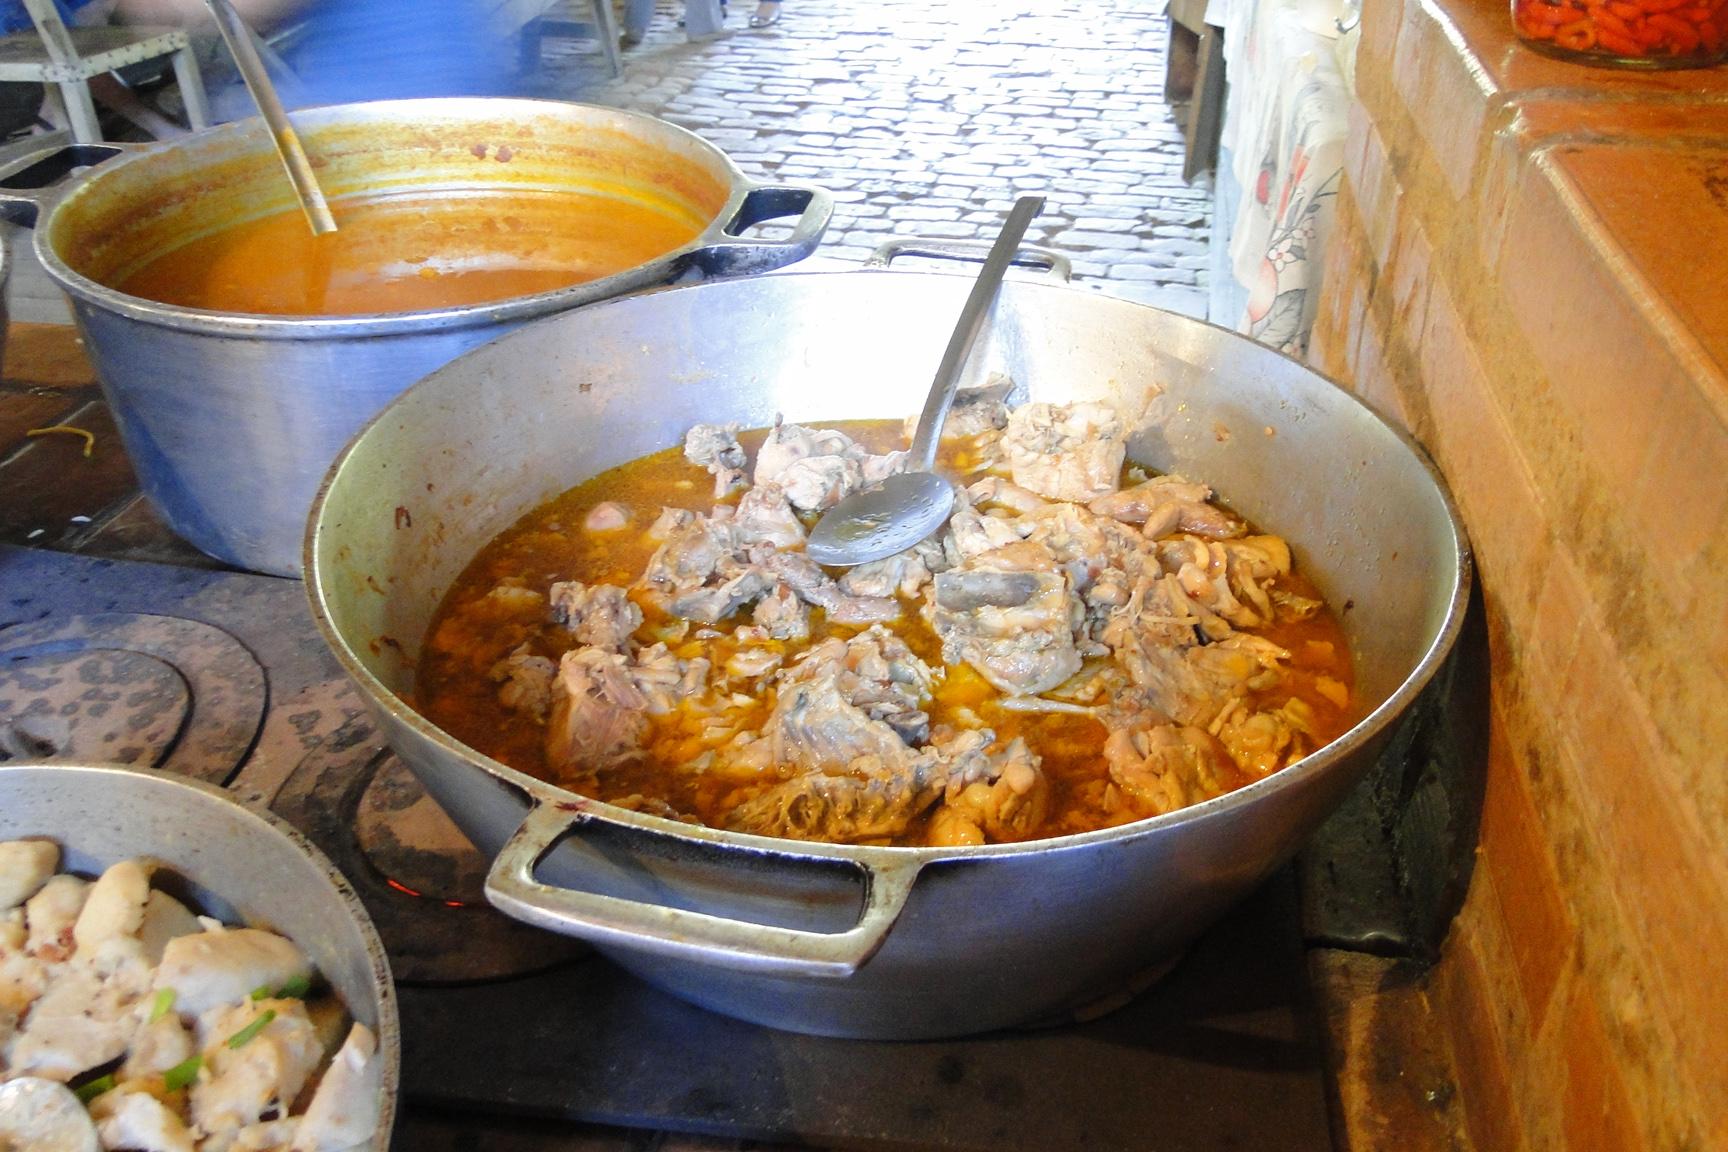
(231, 419)
(873, 941)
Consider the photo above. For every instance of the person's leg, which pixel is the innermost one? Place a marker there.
(767, 13)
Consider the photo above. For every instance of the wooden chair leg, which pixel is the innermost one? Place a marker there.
(191, 83)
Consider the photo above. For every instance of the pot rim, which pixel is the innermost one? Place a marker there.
(542, 792)
(252, 325)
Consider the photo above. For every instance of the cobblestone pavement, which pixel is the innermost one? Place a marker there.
(927, 118)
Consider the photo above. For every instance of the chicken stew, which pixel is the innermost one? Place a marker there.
(1083, 644)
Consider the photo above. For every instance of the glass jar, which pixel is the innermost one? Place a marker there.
(1626, 33)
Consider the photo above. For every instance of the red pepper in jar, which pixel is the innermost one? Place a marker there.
(1650, 33)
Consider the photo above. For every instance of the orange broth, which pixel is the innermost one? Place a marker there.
(414, 253)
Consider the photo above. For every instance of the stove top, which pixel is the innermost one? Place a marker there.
(222, 676)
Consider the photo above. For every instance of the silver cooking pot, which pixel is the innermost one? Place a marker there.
(227, 860)
(871, 941)
(231, 419)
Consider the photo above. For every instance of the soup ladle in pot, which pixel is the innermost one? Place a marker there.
(890, 517)
(287, 141)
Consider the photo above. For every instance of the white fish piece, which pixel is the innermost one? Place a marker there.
(139, 1122)
(115, 905)
(344, 1109)
(265, 1072)
(42, 1116)
(210, 969)
(25, 865)
(165, 919)
(85, 1016)
(51, 914)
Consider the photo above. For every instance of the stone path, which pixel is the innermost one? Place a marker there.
(927, 118)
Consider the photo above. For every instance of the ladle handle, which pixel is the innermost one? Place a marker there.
(947, 381)
(251, 66)
(684, 934)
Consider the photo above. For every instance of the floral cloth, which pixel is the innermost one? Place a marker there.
(1284, 127)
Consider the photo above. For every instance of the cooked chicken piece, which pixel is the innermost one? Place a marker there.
(782, 615)
(716, 448)
(1161, 768)
(12, 931)
(817, 468)
(995, 490)
(817, 483)
(975, 410)
(258, 1054)
(599, 714)
(524, 681)
(138, 1122)
(1263, 742)
(903, 574)
(845, 700)
(606, 516)
(84, 1017)
(669, 523)
(1066, 451)
(691, 553)
(114, 907)
(51, 915)
(665, 680)
(993, 794)
(165, 918)
(344, 1109)
(42, 1116)
(514, 597)
(156, 1047)
(753, 663)
(1087, 546)
(714, 603)
(871, 801)
(25, 866)
(973, 533)
(226, 965)
(598, 615)
(786, 444)
(805, 577)
(765, 516)
(1166, 504)
(1193, 685)
(1009, 613)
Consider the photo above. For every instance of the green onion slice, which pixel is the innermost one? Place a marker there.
(295, 989)
(262, 992)
(160, 1006)
(95, 1088)
(251, 1030)
(183, 1073)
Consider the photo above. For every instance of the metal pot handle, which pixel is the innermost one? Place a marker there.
(723, 252)
(31, 184)
(974, 251)
(682, 934)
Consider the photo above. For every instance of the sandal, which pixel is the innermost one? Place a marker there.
(767, 13)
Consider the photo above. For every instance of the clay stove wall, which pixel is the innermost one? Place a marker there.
(1530, 271)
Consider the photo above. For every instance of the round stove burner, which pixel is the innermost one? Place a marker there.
(407, 838)
(90, 707)
(132, 688)
(420, 878)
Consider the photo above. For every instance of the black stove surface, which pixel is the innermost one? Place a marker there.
(222, 676)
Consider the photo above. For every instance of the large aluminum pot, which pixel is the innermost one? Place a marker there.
(237, 863)
(869, 941)
(231, 419)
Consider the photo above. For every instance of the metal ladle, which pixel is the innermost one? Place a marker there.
(890, 517)
(287, 141)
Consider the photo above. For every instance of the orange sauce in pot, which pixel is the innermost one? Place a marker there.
(415, 253)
